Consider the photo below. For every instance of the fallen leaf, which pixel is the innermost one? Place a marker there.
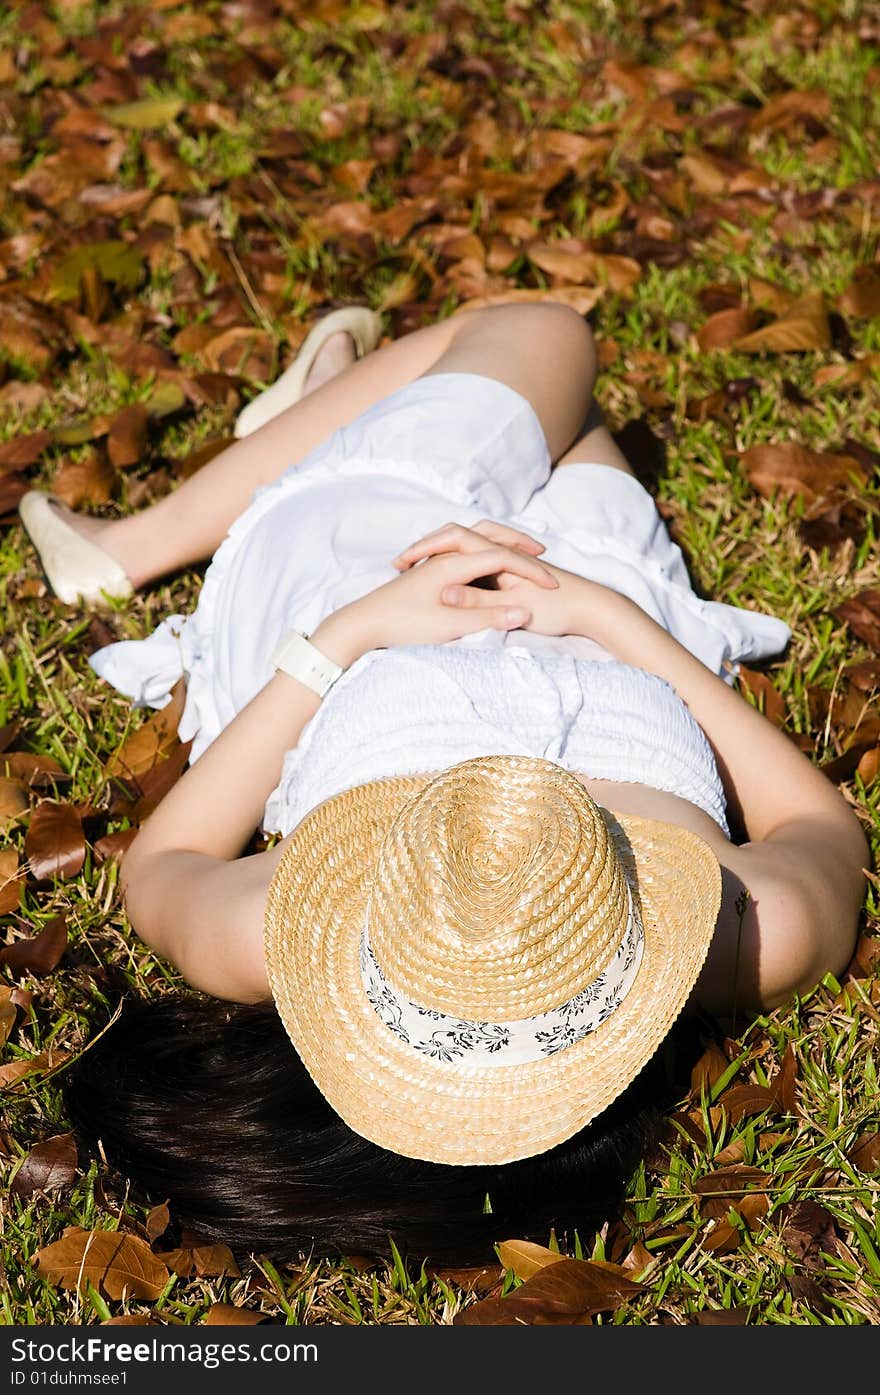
(865, 1152)
(728, 1187)
(127, 437)
(725, 327)
(741, 1101)
(23, 450)
(15, 1072)
(13, 801)
(117, 1264)
(40, 954)
(90, 481)
(47, 1167)
(803, 326)
(580, 298)
(591, 268)
(113, 846)
(862, 614)
(37, 772)
(525, 1258)
(55, 845)
(707, 1070)
(784, 1083)
(242, 350)
(228, 1315)
(723, 1238)
(8, 1014)
(472, 1279)
(767, 697)
(567, 1292)
(791, 469)
(862, 296)
(152, 740)
(11, 879)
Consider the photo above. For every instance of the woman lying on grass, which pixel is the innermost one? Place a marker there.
(504, 765)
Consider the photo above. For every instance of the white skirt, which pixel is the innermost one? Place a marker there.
(450, 447)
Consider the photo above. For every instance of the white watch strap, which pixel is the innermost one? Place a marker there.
(298, 657)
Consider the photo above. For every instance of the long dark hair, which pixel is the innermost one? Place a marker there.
(207, 1106)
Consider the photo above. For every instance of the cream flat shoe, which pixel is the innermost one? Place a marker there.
(76, 569)
(365, 328)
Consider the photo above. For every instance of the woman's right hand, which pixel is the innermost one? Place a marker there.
(423, 604)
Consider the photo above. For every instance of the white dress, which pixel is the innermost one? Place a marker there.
(448, 447)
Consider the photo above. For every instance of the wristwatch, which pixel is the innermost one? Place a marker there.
(297, 656)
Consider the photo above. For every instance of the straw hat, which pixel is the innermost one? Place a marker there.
(472, 965)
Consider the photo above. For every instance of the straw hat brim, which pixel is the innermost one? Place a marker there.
(443, 1112)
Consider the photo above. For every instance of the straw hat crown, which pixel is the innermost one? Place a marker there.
(497, 893)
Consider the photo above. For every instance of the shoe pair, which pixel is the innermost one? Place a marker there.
(80, 570)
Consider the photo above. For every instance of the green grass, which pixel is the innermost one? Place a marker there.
(741, 548)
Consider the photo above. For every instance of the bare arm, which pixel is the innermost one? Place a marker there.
(803, 867)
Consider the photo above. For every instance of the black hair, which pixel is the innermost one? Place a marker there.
(206, 1105)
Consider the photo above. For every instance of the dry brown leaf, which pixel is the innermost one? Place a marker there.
(37, 772)
(784, 1083)
(803, 326)
(90, 481)
(727, 1187)
(55, 844)
(117, 1264)
(525, 1258)
(862, 296)
(14, 1072)
(113, 846)
(767, 696)
(228, 1315)
(768, 296)
(47, 1167)
(586, 268)
(580, 298)
(865, 1152)
(722, 1239)
(568, 1292)
(11, 878)
(473, 1278)
(724, 327)
(8, 1014)
(740, 1101)
(14, 801)
(242, 350)
(708, 1069)
(127, 436)
(205, 1261)
(845, 375)
(862, 615)
(23, 450)
(152, 740)
(789, 468)
(868, 767)
(40, 954)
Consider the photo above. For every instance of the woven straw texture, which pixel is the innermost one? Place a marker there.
(496, 890)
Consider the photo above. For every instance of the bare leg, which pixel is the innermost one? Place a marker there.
(520, 345)
(595, 445)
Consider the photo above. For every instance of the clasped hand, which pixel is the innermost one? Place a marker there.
(435, 600)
